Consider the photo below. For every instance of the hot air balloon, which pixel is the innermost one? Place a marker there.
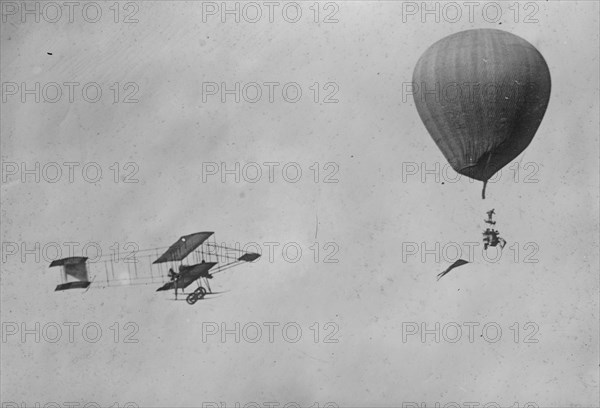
(482, 95)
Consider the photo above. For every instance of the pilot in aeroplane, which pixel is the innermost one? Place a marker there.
(172, 274)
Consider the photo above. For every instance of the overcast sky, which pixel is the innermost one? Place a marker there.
(369, 217)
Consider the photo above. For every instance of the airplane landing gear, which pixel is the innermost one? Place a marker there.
(196, 295)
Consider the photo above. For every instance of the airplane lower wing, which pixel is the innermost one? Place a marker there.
(188, 275)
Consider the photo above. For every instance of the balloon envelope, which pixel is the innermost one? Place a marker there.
(482, 95)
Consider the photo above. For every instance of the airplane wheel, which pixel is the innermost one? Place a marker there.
(191, 299)
(202, 292)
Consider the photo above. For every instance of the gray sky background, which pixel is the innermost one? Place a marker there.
(369, 214)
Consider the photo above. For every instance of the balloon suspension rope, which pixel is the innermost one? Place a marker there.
(485, 182)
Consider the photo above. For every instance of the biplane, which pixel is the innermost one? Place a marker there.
(193, 256)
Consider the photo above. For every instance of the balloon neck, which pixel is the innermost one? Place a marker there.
(483, 191)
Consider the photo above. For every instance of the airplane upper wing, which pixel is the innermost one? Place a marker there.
(182, 248)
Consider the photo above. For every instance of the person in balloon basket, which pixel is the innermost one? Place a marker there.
(489, 220)
(491, 238)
